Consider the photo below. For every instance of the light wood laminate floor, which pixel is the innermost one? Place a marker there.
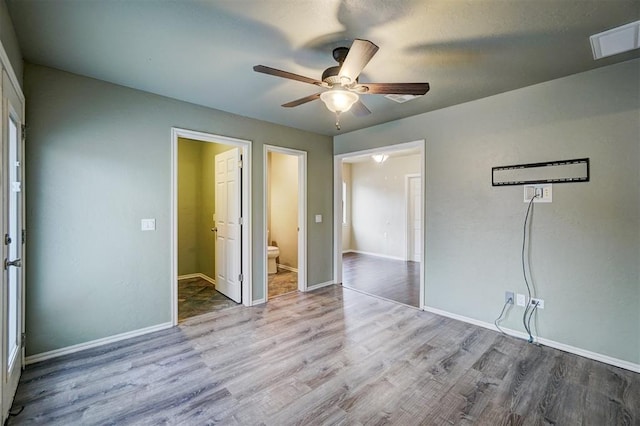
(392, 279)
(332, 356)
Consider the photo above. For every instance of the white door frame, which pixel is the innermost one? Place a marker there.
(5, 65)
(337, 206)
(408, 225)
(302, 214)
(245, 150)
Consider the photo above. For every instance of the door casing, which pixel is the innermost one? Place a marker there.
(7, 390)
(302, 214)
(246, 239)
(337, 207)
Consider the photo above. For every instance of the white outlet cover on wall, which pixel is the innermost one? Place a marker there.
(148, 224)
(545, 190)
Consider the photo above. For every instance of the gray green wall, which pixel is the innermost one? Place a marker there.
(99, 160)
(196, 206)
(585, 246)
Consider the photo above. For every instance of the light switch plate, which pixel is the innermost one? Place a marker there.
(318, 218)
(148, 225)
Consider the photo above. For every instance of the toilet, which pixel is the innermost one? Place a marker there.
(272, 253)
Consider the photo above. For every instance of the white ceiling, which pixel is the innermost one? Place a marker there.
(203, 51)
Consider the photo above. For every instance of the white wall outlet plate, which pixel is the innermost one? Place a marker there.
(318, 218)
(148, 225)
(542, 192)
(521, 300)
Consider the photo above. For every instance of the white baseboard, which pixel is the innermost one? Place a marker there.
(551, 343)
(319, 285)
(288, 268)
(197, 275)
(377, 255)
(258, 302)
(347, 251)
(94, 343)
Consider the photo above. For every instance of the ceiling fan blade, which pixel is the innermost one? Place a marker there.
(360, 53)
(396, 88)
(359, 109)
(284, 74)
(302, 100)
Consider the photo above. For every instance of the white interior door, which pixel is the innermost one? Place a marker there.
(414, 219)
(13, 247)
(228, 224)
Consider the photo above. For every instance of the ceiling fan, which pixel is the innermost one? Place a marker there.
(342, 81)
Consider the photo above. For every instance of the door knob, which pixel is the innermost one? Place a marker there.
(15, 263)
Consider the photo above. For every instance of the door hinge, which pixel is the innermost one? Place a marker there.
(240, 164)
(7, 239)
(24, 131)
(241, 221)
(24, 236)
(240, 277)
(23, 337)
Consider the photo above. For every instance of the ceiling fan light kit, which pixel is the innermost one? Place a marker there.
(380, 158)
(339, 100)
(342, 81)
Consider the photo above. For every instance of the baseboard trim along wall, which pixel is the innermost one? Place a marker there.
(320, 285)
(197, 275)
(32, 359)
(551, 343)
(288, 268)
(375, 254)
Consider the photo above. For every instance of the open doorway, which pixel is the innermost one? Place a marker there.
(379, 228)
(210, 223)
(285, 224)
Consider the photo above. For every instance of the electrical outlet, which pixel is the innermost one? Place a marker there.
(540, 302)
(542, 192)
(521, 300)
(508, 297)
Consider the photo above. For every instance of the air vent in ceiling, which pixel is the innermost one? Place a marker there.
(616, 40)
(400, 98)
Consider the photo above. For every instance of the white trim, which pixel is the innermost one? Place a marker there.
(368, 253)
(408, 214)
(302, 214)
(259, 301)
(6, 64)
(347, 251)
(547, 342)
(95, 343)
(337, 205)
(287, 268)
(197, 275)
(319, 285)
(247, 243)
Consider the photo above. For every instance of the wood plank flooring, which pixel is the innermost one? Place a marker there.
(392, 279)
(332, 356)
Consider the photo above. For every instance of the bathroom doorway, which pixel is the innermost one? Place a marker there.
(210, 233)
(379, 232)
(285, 220)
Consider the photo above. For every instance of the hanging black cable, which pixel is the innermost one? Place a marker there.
(508, 302)
(524, 272)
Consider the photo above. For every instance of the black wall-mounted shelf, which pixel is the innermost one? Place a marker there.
(563, 171)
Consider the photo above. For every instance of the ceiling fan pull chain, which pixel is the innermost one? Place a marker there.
(337, 120)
